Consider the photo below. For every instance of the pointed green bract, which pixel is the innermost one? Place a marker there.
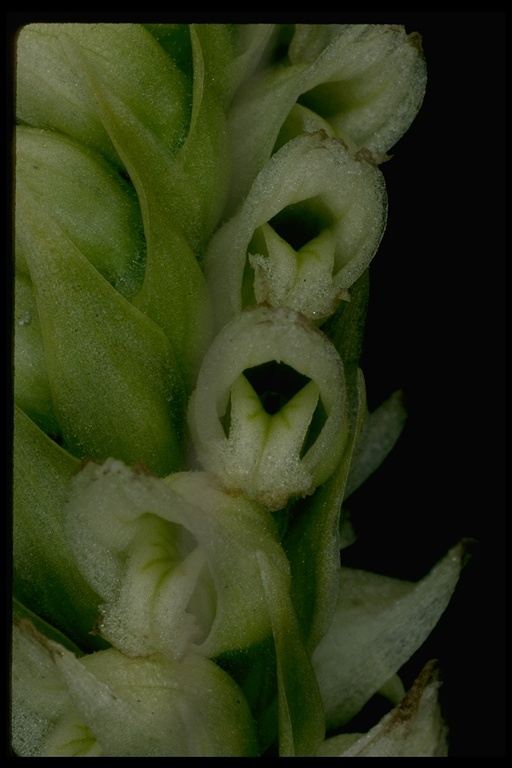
(48, 93)
(381, 429)
(115, 386)
(301, 718)
(46, 578)
(378, 624)
(313, 542)
(89, 200)
(173, 209)
(32, 391)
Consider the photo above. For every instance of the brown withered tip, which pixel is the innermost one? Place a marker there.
(417, 41)
(408, 707)
(84, 462)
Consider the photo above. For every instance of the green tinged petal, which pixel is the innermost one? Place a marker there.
(123, 525)
(173, 561)
(310, 225)
(415, 728)
(254, 338)
(378, 624)
(106, 704)
(144, 567)
(367, 81)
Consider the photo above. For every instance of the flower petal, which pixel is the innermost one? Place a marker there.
(379, 623)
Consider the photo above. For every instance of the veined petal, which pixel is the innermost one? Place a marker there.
(378, 624)
(172, 560)
(258, 437)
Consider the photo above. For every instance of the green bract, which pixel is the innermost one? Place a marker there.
(107, 704)
(197, 208)
(88, 199)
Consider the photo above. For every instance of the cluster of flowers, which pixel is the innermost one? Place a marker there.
(196, 210)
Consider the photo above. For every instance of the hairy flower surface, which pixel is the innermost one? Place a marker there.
(197, 208)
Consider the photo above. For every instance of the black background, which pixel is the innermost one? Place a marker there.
(436, 329)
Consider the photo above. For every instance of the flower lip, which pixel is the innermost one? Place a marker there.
(310, 225)
(237, 437)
